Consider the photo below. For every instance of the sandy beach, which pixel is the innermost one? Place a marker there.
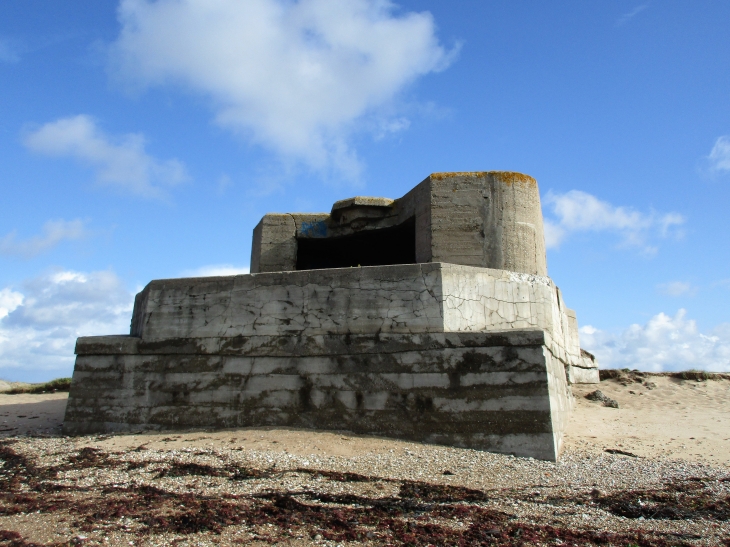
(653, 471)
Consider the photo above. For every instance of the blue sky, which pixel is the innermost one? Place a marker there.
(143, 140)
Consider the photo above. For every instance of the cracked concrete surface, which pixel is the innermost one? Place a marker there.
(499, 391)
(411, 298)
(434, 352)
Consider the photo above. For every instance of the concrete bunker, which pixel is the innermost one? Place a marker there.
(488, 219)
(448, 332)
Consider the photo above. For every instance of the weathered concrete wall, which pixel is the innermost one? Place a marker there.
(585, 371)
(274, 246)
(409, 298)
(582, 367)
(489, 219)
(404, 298)
(432, 352)
(500, 391)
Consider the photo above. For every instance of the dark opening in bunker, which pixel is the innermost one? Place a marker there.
(396, 245)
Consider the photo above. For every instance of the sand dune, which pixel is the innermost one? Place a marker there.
(678, 419)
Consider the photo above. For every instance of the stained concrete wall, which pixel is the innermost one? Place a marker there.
(582, 367)
(501, 391)
(274, 246)
(433, 352)
(409, 298)
(404, 298)
(490, 219)
(585, 371)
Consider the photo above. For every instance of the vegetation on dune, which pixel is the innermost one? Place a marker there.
(59, 384)
(625, 374)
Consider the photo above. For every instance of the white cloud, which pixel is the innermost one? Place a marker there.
(46, 315)
(215, 270)
(677, 288)
(664, 344)
(54, 231)
(9, 300)
(8, 52)
(577, 211)
(388, 126)
(118, 161)
(719, 157)
(626, 17)
(294, 75)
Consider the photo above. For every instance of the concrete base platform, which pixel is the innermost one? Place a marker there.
(498, 391)
(580, 375)
(584, 371)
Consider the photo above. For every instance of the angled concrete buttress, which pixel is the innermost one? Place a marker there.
(429, 318)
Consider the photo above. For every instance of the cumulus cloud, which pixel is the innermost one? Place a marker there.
(215, 270)
(44, 316)
(9, 300)
(577, 211)
(118, 161)
(293, 75)
(677, 288)
(719, 157)
(54, 232)
(663, 344)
